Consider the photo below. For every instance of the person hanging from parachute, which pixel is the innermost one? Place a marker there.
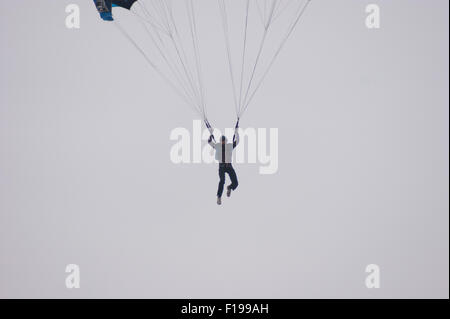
(175, 54)
(224, 155)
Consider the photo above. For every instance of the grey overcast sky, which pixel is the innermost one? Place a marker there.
(86, 177)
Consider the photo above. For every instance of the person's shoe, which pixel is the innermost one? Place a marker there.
(228, 191)
(219, 201)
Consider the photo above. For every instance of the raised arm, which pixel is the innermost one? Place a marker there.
(211, 141)
(236, 135)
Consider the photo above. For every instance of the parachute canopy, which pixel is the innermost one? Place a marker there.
(104, 7)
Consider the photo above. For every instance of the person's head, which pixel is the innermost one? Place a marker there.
(223, 139)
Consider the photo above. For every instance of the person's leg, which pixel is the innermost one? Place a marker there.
(234, 181)
(221, 181)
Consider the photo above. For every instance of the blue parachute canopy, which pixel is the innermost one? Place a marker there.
(104, 7)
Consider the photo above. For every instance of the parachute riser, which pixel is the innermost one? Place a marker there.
(211, 130)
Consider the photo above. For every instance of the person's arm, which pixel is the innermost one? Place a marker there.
(210, 141)
(236, 135)
(236, 139)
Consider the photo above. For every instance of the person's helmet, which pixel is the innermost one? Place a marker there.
(223, 139)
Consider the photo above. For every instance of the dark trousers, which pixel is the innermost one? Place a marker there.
(226, 168)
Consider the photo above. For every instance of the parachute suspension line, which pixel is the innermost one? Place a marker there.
(178, 37)
(243, 54)
(223, 12)
(195, 41)
(261, 47)
(148, 21)
(130, 39)
(176, 41)
(172, 66)
(163, 46)
(264, 11)
(298, 16)
(261, 15)
(150, 18)
(163, 10)
(277, 5)
(287, 4)
(210, 129)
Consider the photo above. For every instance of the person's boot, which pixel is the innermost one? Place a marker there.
(219, 200)
(228, 191)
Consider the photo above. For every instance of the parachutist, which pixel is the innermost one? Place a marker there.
(224, 154)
